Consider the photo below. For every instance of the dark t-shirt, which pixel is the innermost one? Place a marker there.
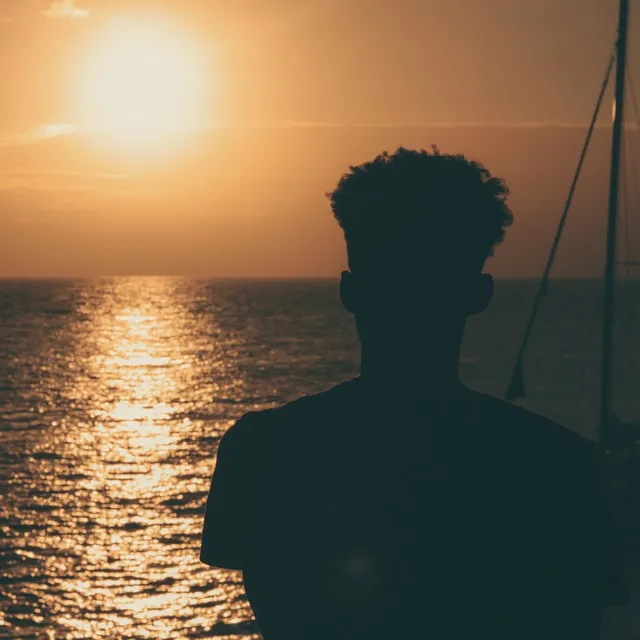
(352, 517)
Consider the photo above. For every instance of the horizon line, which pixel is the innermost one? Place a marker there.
(268, 278)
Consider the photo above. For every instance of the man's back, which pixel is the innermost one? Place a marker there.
(352, 518)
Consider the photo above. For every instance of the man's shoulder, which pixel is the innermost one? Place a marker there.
(255, 425)
(535, 432)
(321, 403)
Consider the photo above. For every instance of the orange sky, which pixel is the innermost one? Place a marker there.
(298, 90)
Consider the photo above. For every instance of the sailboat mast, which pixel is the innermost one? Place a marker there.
(607, 332)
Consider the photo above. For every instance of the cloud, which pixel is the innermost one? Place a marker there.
(65, 9)
(66, 130)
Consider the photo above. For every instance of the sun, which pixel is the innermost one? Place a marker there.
(142, 83)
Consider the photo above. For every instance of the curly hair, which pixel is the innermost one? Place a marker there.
(400, 203)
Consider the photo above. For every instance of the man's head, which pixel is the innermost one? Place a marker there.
(419, 227)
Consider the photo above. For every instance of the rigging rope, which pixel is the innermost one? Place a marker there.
(636, 111)
(516, 385)
(624, 214)
(635, 177)
(631, 260)
(625, 207)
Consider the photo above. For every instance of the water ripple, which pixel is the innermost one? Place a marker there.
(113, 396)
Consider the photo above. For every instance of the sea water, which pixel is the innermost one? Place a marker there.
(114, 394)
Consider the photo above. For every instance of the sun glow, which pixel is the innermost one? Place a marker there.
(143, 84)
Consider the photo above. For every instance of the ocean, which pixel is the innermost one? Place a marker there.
(114, 394)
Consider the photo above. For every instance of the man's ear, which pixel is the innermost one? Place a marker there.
(480, 294)
(347, 291)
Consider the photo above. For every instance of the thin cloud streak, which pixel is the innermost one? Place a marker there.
(546, 124)
(58, 130)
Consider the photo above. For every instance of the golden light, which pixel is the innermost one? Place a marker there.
(143, 83)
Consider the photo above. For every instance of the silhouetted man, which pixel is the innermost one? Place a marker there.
(401, 504)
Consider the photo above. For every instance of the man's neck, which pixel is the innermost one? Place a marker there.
(420, 379)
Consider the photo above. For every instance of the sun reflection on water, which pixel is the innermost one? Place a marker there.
(119, 392)
(123, 489)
